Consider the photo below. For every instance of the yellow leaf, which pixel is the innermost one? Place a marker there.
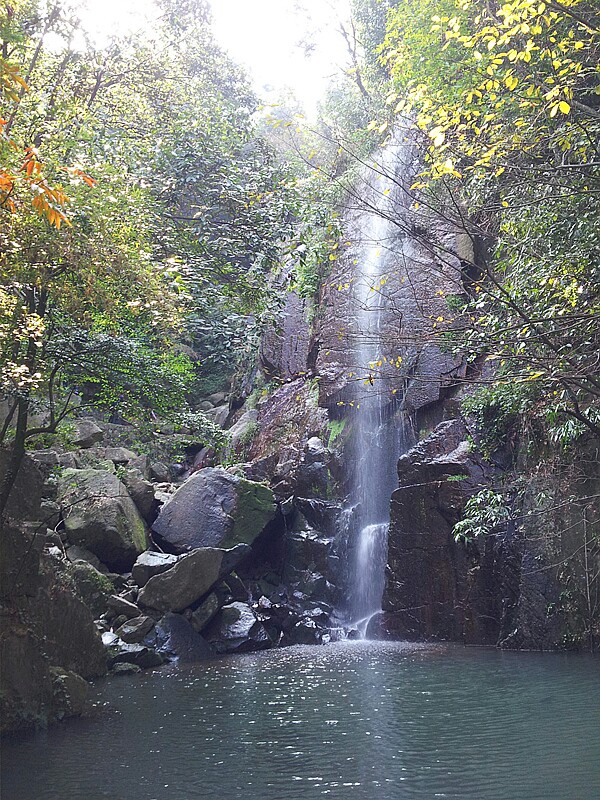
(564, 107)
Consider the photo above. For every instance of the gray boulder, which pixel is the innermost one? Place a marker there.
(141, 492)
(91, 586)
(138, 654)
(87, 433)
(159, 472)
(100, 515)
(205, 612)
(191, 577)
(70, 693)
(120, 455)
(125, 669)
(150, 564)
(236, 629)
(214, 508)
(136, 629)
(123, 606)
(76, 553)
(175, 639)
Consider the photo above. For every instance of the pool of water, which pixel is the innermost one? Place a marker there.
(356, 720)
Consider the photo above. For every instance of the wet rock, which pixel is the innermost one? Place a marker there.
(236, 629)
(87, 433)
(150, 564)
(214, 508)
(430, 588)
(176, 639)
(138, 654)
(122, 606)
(307, 550)
(306, 632)
(321, 515)
(190, 578)
(235, 588)
(69, 693)
(200, 618)
(417, 285)
(217, 398)
(125, 669)
(100, 516)
(136, 629)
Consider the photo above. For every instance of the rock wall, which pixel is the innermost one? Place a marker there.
(532, 584)
(436, 588)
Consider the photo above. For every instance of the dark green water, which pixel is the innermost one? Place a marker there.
(363, 721)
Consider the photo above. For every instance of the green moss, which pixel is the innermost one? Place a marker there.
(255, 509)
(335, 428)
(138, 535)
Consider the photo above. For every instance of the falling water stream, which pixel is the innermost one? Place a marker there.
(380, 429)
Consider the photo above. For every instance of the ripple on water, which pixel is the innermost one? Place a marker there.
(357, 720)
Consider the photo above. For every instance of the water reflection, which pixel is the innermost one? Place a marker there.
(359, 720)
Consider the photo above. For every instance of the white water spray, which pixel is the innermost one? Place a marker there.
(379, 428)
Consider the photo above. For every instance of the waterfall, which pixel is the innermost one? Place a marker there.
(380, 432)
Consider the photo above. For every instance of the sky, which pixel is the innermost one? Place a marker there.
(265, 36)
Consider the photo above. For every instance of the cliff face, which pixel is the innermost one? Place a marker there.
(533, 582)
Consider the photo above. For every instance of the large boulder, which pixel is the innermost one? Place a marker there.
(70, 693)
(190, 578)
(87, 433)
(214, 508)
(175, 639)
(135, 630)
(141, 492)
(91, 586)
(63, 623)
(100, 515)
(48, 627)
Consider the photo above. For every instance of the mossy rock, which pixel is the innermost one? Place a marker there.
(100, 515)
(215, 508)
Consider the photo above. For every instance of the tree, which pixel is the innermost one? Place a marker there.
(172, 236)
(506, 97)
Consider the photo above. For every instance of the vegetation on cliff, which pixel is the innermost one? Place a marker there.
(140, 215)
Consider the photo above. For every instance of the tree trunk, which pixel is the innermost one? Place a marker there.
(16, 456)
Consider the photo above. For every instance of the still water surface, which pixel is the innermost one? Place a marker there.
(356, 720)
